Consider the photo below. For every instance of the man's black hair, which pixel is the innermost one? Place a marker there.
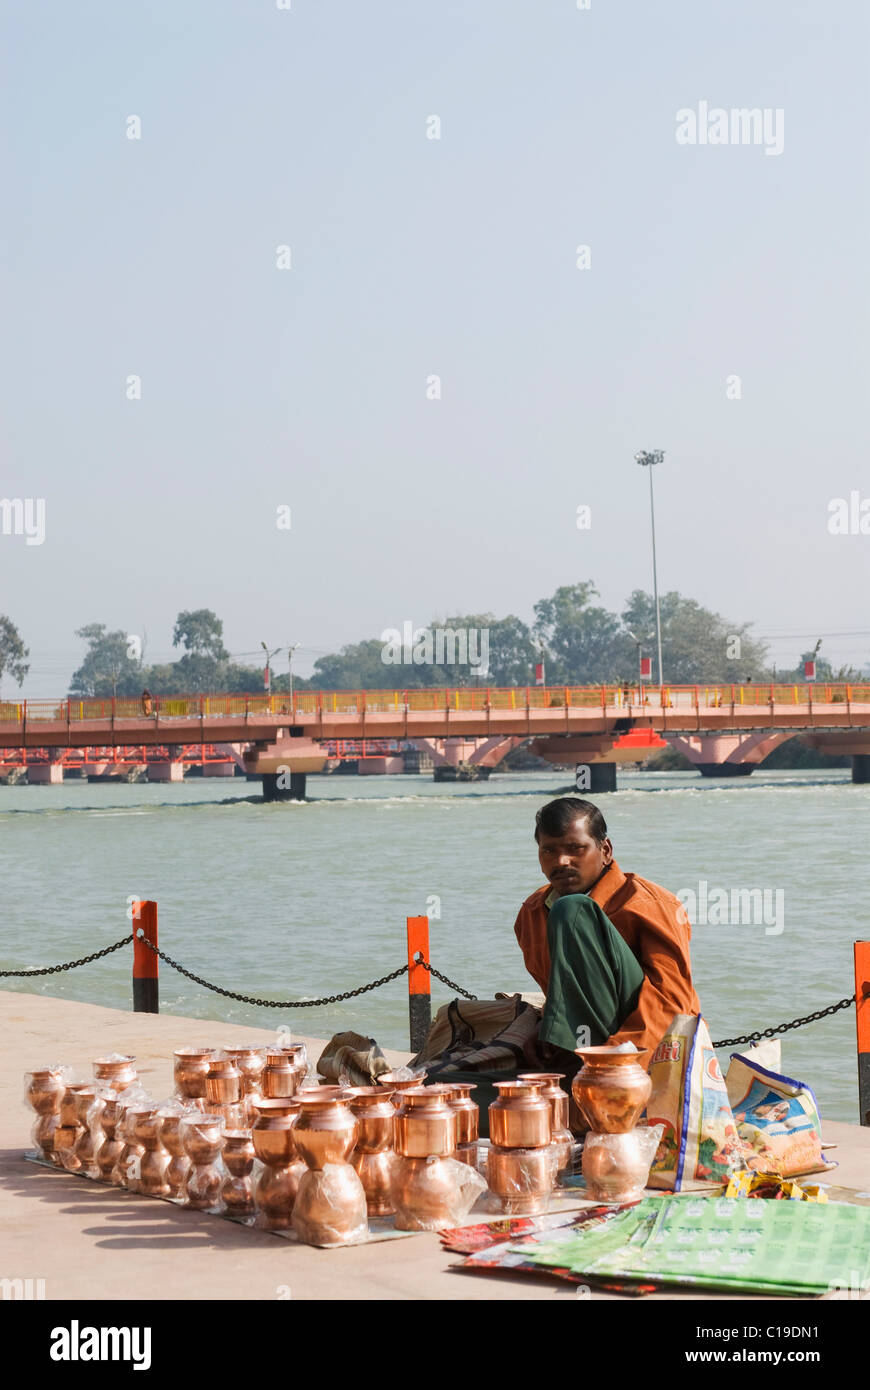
(557, 817)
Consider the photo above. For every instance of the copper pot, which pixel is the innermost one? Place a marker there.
(223, 1082)
(201, 1135)
(330, 1207)
(424, 1193)
(274, 1143)
(611, 1089)
(179, 1163)
(191, 1066)
(237, 1190)
(326, 1130)
(272, 1133)
(374, 1113)
(118, 1074)
(85, 1103)
(467, 1112)
(251, 1062)
(155, 1160)
(562, 1138)
(425, 1124)
(65, 1139)
(45, 1089)
(616, 1166)
(297, 1052)
(522, 1179)
(375, 1172)
(280, 1077)
(42, 1134)
(520, 1117)
(129, 1167)
(109, 1150)
(68, 1112)
(398, 1088)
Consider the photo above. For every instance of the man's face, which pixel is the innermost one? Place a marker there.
(573, 861)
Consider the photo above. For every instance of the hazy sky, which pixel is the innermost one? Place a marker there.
(410, 256)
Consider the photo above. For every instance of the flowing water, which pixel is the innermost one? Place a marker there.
(288, 901)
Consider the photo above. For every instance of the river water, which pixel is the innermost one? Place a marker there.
(288, 901)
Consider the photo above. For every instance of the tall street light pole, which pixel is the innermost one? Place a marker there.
(648, 459)
(290, 651)
(269, 655)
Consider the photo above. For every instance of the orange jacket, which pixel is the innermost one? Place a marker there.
(654, 925)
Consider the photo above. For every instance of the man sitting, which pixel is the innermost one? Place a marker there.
(610, 950)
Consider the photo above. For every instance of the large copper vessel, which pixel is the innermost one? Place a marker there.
(45, 1089)
(616, 1166)
(521, 1179)
(110, 1147)
(70, 1128)
(326, 1130)
(273, 1141)
(424, 1124)
(431, 1194)
(373, 1158)
(201, 1135)
(148, 1129)
(237, 1190)
(330, 1206)
(119, 1072)
(179, 1163)
(611, 1089)
(562, 1138)
(128, 1169)
(223, 1082)
(520, 1117)
(86, 1104)
(190, 1068)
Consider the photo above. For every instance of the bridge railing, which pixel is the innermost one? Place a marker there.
(481, 698)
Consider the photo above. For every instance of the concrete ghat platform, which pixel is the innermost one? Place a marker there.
(89, 1241)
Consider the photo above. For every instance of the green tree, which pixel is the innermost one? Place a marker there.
(358, 666)
(697, 645)
(13, 653)
(583, 644)
(107, 669)
(200, 632)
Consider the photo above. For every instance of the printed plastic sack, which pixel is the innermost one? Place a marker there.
(700, 1146)
(777, 1118)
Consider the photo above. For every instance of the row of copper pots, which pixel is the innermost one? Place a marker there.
(203, 1074)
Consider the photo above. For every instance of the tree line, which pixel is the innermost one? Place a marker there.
(579, 641)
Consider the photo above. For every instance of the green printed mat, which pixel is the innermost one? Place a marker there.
(745, 1245)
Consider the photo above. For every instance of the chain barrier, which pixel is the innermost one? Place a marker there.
(272, 1003)
(375, 984)
(443, 978)
(784, 1027)
(69, 964)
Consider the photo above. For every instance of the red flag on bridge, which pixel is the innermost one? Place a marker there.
(646, 668)
(539, 673)
(809, 670)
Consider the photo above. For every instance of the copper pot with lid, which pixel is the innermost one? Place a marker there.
(520, 1117)
(425, 1125)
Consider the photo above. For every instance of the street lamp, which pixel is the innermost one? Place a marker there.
(639, 641)
(269, 655)
(290, 651)
(647, 459)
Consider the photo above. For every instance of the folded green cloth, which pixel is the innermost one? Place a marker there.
(748, 1245)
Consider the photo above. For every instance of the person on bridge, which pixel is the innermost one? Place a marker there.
(147, 703)
(609, 949)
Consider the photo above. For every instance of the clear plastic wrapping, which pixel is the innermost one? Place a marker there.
(616, 1166)
(430, 1194)
(521, 1181)
(330, 1207)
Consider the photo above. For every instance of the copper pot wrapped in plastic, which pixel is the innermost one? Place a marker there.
(70, 1128)
(87, 1102)
(520, 1117)
(111, 1146)
(431, 1194)
(373, 1156)
(274, 1143)
(117, 1071)
(44, 1091)
(251, 1062)
(178, 1166)
(616, 1166)
(237, 1190)
(201, 1135)
(521, 1179)
(611, 1089)
(155, 1160)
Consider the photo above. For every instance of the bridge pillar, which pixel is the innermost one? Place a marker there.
(218, 769)
(602, 777)
(275, 786)
(861, 767)
(165, 772)
(45, 774)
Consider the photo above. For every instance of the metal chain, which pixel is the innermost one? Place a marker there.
(273, 1003)
(784, 1027)
(443, 978)
(69, 964)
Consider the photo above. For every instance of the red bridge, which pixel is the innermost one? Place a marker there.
(723, 729)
